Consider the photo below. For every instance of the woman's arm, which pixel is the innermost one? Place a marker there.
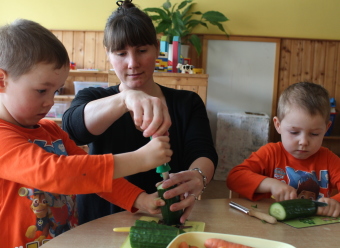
(93, 111)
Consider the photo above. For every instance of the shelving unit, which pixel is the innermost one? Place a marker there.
(332, 143)
(194, 82)
(78, 75)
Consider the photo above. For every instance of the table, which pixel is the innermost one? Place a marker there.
(217, 215)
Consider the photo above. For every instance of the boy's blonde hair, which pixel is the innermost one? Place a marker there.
(25, 43)
(305, 95)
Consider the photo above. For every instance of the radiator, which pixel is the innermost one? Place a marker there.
(237, 136)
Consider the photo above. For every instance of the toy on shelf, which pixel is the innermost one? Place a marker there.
(162, 62)
(198, 71)
(176, 52)
(164, 44)
(73, 65)
(186, 61)
(185, 69)
(332, 116)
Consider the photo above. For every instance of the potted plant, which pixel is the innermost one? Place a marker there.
(180, 21)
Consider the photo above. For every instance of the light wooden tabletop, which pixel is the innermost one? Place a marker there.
(218, 217)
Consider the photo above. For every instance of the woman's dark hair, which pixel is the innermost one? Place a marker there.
(128, 26)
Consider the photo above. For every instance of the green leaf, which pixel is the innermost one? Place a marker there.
(155, 18)
(196, 13)
(196, 42)
(182, 4)
(185, 11)
(163, 26)
(220, 27)
(178, 22)
(214, 16)
(193, 23)
(159, 11)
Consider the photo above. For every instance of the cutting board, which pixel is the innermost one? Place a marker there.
(197, 226)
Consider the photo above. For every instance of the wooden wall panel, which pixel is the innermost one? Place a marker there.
(85, 48)
(316, 61)
(319, 62)
(78, 48)
(310, 60)
(307, 58)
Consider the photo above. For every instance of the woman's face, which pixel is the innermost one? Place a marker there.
(134, 66)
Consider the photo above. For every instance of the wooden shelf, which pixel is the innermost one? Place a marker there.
(89, 73)
(193, 82)
(332, 137)
(64, 97)
(53, 119)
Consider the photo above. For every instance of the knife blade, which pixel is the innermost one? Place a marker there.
(251, 212)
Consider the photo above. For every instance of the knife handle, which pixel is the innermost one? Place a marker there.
(262, 216)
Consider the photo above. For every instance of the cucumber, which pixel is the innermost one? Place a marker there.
(169, 217)
(151, 235)
(153, 224)
(291, 209)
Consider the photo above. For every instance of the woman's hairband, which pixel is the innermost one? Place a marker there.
(120, 3)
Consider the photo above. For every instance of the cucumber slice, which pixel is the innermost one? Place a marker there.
(278, 211)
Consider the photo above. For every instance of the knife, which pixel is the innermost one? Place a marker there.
(262, 216)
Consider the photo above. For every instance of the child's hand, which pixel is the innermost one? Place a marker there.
(281, 191)
(155, 153)
(150, 203)
(333, 208)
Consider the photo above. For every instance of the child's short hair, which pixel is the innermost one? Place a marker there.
(128, 25)
(25, 43)
(309, 96)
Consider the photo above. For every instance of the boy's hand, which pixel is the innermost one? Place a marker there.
(332, 210)
(150, 203)
(281, 191)
(155, 153)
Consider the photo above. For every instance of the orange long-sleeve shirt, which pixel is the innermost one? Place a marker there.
(41, 170)
(321, 170)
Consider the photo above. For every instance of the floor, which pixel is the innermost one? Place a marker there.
(216, 189)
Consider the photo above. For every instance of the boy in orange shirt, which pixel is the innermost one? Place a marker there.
(41, 169)
(297, 167)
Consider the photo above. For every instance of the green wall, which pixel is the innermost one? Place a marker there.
(274, 18)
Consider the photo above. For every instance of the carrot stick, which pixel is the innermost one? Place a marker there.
(183, 244)
(220, 243)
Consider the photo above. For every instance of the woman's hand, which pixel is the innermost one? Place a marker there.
(189, 187)
(149, 113)
(332, 210)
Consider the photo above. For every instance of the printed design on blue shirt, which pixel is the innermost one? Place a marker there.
(279, 173)
(54, 213)
(307, 183)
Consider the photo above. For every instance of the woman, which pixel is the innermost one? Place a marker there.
(122, 118)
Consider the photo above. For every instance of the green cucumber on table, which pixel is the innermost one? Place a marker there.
(291, 209)
(169, 217)
(147, 234)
